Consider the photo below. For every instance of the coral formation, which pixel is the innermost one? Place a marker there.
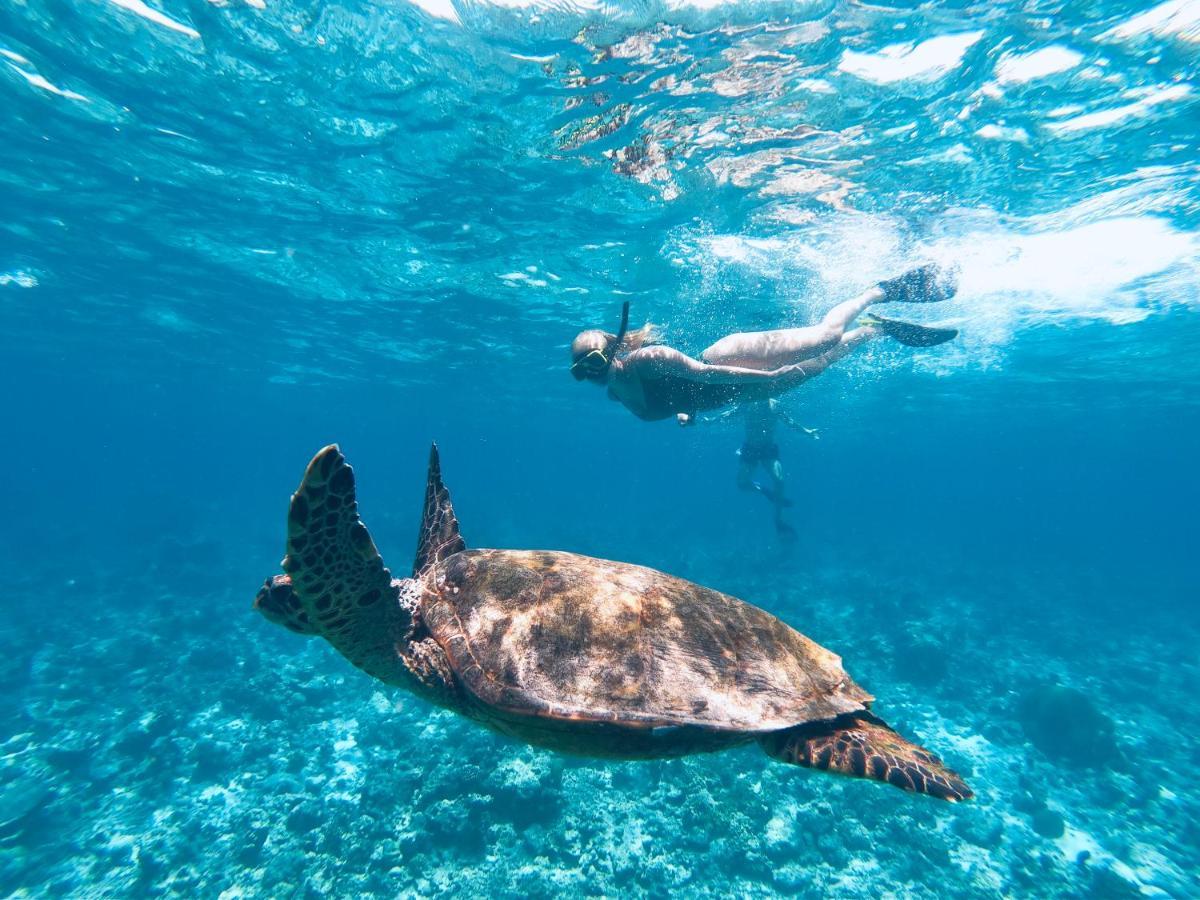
(178, 752)
(1066, 725)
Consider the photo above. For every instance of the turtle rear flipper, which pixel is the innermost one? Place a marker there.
(341, 588)
(861, 745)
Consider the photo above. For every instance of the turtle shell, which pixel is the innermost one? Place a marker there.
(568, 637)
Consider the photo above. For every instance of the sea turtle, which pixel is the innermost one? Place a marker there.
(580, 655)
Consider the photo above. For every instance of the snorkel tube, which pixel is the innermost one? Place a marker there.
(615, 344)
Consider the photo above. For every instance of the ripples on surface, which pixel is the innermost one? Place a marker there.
(487, 177)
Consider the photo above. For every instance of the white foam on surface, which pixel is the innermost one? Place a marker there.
(1175, 18)
(445, 9)
(1003, 133)
(153, 15)
(20, 279)
(1019, 68)
(1118, 271)
(564, 6)
(700, 4)
(439, 9)
(1074, 271)
(926, 61)
(1088, 263)
(39, 82)
(1134, 110)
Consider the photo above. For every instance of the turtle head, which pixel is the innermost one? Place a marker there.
(277, 600)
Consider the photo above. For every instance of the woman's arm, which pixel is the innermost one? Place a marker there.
(688, 419)
(664, 362)
(785, 417)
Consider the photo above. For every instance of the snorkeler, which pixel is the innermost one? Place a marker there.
(760, 449)
(655, 382)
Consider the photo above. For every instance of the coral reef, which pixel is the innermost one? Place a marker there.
(1066, 725)
(191, 748)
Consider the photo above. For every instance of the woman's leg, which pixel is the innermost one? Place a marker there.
(850, 340)
(787, 346)
(798, 373)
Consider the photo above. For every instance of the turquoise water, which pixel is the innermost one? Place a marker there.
(231, 233)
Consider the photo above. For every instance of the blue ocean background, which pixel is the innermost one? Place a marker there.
(231, 233)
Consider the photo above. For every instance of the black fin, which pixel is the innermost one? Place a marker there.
(930, 283)
(439, 535)
(910, 334)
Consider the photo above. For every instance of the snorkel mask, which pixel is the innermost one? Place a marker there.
(595, 363)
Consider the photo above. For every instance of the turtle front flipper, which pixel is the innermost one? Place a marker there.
(861, 745)
(340, 588)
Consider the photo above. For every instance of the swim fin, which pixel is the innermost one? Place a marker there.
(909, 334)
(925, 284)
(775, 497)
(786, 532)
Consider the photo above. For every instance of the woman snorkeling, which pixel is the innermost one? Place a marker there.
(654, 381)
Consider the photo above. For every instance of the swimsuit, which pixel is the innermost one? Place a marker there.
(753, 452)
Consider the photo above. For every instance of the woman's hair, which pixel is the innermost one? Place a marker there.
(597, 339)
(638, 338)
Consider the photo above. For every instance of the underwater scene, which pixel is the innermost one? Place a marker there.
(923, 386)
